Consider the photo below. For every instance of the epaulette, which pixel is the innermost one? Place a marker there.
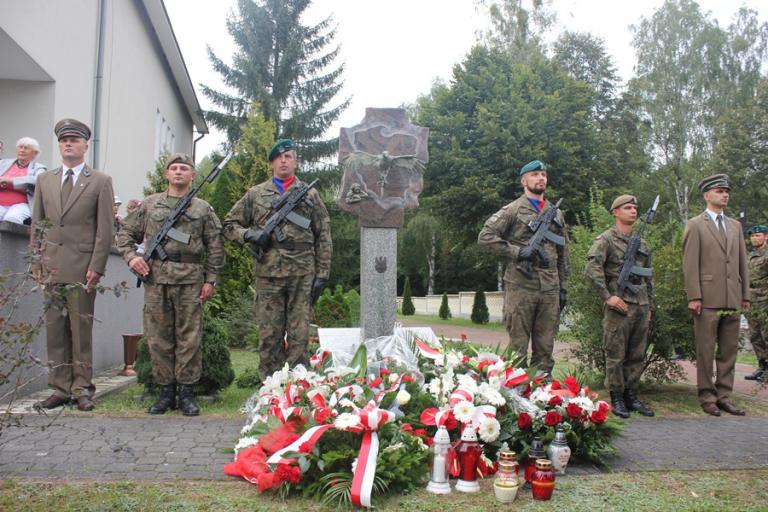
(599, 237)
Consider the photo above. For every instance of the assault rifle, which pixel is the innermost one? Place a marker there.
(154, 246)
(629, 268)
(284, 211)
(540, 226)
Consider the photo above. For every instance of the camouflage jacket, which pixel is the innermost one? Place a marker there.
(758, 274)
(305, 251)
(507, 231)
(604, 261)
(200, 260)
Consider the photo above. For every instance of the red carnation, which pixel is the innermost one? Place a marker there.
(375, 382)
(421, 433)
(288, 473)
(524, 421)
(572, 384)
(573, 411)
(555, 385)
(407, 378)
(450, 422)
(552, 418)
(598, 417)
(464, 359)
(463, 337)
(555, 401)
(305, 447)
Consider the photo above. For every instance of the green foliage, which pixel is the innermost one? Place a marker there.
(240, 325)
(284, 66)
(670, 327)
(353, 299)
(407, 308)
(249, 379)
(445, 311)
(217, 366)
(156, 177)
(480, 313)
(332, 309)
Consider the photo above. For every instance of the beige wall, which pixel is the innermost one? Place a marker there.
(460, 304)
(26, 110)
(61, 38)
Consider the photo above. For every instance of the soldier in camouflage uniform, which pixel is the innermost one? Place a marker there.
(178, 287)
(758, 318)
(531, 306)
(625, 321)
(292, 273)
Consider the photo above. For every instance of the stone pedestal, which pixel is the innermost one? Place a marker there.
(378, 281)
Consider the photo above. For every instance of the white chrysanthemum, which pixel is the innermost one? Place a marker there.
(345, 421)
(495, 382)
(490, 395)
(346, 402)
(541, 396)
(403, 397)
(489, 430)
(245, 442)
(434, 387)
(585, 403)
(393, 447)
(453, 359)
(467, 383)
(464, 411)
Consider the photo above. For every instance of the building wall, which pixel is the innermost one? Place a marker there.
(460, 304)
(27, 111)
(114, 316)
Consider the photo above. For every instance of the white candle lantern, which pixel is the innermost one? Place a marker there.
(438, 474)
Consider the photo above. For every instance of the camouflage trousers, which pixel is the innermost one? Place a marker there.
(758, 330)
(283, 311)
(532, 316)
(173, 325)
(624, 340)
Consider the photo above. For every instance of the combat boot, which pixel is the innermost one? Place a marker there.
(166, 401)
(760, 373)
(618, 405)
(634, 404)
(187, 403)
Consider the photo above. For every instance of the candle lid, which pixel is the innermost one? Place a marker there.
(507, 455)
(543, 464)
(507, 465)
(442, 436)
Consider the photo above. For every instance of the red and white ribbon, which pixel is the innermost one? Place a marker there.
(514, 377)
(482, 412)
(311, 436)
(371, 419)
(427, 351)
(460, 395)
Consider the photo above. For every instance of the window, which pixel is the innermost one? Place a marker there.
(165, 140)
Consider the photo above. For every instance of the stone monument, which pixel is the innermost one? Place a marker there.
(383, 160)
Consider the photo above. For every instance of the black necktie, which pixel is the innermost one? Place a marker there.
(66, 187)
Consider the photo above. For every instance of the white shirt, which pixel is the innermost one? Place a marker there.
(713, 216)
(75, 170)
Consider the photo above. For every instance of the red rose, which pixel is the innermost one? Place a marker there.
(463, 337)
(555, 401)
(603, 406)
(384, 372)
(305, 448)
(555, 385)
(598, 417)
(524, 421)
(573, 411)
(552, 418)
(407, 378)
(572, 384)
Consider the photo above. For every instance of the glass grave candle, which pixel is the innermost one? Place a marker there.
(543, 480)
(438, 474)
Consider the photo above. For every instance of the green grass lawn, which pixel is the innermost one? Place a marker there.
(679, 491)
(747, 358)
(226, 404)
(458, 322)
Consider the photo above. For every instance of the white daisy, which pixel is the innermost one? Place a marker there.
(345, 421)
(489, 430)
(467, 383)
(464, 411)
(491, 395)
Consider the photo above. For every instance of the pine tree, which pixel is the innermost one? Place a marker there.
(479, 309)
(445, 311)
(156, 177)
(283, 65)
(407, 308)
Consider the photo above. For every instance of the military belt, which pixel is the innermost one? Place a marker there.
(177, 257)
(294, 246)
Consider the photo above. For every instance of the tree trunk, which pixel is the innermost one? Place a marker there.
(431, 264)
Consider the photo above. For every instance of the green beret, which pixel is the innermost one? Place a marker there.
(714, 181)
(180, 158)
(281, 147)
(758, 228)
(535, 165)
(622, 200)
(71, 128)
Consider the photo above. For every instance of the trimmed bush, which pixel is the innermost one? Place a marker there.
(353, 299)
(332, 310)
(249, 379)
(241, 328)
(408, 308)
(445, 311)
(479, 309)
(217, 366)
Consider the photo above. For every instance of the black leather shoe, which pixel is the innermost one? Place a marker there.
(618, 405)
(634, 404)
(187, 404)
(710, 408)
(84, 403)
(730, 408)
(166, 401)
(760, 373)
(54, 401)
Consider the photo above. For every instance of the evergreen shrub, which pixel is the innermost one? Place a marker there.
(480, 313)
(445, 311)
(332, 309)
(407, 308)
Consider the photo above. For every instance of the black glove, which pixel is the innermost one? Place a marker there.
(317, 288)
(526, 254)
(563, 299)
(258, 238)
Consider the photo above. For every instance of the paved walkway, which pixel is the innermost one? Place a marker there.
(76, 446)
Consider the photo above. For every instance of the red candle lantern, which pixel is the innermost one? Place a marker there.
(543, 480)
(468, 455)
(535, 453)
